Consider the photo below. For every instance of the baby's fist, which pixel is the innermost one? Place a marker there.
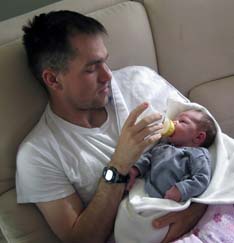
(173, 193)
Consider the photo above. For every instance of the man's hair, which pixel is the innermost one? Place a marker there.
(46, 39)
(206, 124)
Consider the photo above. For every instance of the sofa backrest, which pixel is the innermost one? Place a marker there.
(15, 24)
(194, 40)
(22, 100)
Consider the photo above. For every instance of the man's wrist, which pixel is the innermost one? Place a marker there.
(112, 175)
(122, 169)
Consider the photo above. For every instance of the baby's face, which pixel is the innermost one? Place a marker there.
(185, 128)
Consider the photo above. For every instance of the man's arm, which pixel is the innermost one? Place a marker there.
(67, 217)
(71, 222)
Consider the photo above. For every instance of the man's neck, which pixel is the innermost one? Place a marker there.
(88, 118)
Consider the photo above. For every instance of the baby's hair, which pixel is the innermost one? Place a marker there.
(207, 125)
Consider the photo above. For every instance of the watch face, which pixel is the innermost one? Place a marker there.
(109, 175)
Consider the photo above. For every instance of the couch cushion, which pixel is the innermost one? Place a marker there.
(22, 100)
(194, 40)
(130, 40)
(2, 238)
(23, 223)
(15, 24)
(217, 96)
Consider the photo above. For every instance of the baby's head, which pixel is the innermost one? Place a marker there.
(193, 128)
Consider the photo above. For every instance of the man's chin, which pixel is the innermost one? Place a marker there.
(102, 103)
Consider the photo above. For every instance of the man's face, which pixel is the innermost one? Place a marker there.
(85, 84)
(186, 130)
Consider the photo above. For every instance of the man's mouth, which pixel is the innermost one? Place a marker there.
(104, 89)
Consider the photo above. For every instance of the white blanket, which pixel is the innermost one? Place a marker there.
(130, 87)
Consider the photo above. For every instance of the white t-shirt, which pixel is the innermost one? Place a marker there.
(58, 158)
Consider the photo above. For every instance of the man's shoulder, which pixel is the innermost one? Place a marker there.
(38, 138)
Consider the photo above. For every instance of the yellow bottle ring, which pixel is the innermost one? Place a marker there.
(169, 128)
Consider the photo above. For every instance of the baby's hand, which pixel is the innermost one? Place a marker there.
(173, 193)
(133, 173)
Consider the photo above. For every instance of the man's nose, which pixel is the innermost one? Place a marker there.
(105, 73)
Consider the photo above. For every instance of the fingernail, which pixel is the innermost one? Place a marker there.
(146, 104)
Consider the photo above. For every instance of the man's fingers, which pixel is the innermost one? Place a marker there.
(163, 221)
(150, 140)
(148, 131)
(172, 234)
(135, 113)
(147, 121)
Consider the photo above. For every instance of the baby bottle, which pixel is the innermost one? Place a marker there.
(168, 127)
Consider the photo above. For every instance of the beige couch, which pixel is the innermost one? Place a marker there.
(190, 43)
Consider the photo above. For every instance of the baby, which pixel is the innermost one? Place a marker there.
(180, 168)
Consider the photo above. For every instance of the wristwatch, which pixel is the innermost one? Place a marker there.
(111, 175)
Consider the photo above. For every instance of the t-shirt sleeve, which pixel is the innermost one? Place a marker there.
(40, 176)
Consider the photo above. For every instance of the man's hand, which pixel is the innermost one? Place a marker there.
(173, 193)
(180, 222)
(134, 138)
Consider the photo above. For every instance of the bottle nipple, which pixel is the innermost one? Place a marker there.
(168, 127)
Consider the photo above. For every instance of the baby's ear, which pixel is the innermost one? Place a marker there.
(200, 138)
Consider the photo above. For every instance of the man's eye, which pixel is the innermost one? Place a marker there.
(90, 70)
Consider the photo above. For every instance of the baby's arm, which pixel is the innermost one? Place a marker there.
(139, 169)
(200, 175)
(133, 173)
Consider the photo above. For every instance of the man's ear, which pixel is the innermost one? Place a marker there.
(50, 78)
(200, 138)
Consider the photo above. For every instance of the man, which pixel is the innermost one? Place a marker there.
(60, 163)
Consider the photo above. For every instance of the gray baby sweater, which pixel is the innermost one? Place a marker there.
(165, 165)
